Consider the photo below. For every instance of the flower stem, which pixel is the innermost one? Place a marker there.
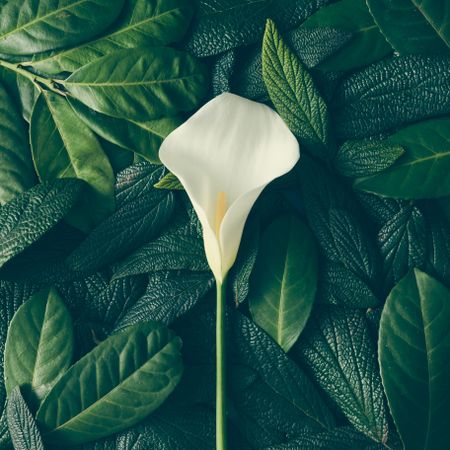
(221, 404)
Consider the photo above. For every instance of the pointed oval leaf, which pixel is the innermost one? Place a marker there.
(140, 84)
(114, 386)
(39, 345)
(414, 345)
(284, 281)
(30, 26)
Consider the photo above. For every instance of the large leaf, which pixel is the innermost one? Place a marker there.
(413, 346)
(139, 218)
(16, 166)
(64, 147)
(284, 282)
(293, 93)
(22, 427)
(141, 23)
(338, 351)
(413, 26)
(423, 171)
(366, 45)
(113, 387)
(29, 216)
(39, 346)
(142, 138)
(140, 84)
(392, 93)
(29, 27)
(28, 94)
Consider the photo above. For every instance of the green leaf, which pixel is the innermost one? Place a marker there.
(141, 23)
(5, 438)
(140, 84)
(140, 216)
(337, 349)
(39, 345)
(22, 427)
(29, 27)
(28, 93)
(413, 26)
(16, 168)
(169, 181)
(282, 292)
(142, 138)
(366, 45)
(30, 215)
(413, 346)
(293, 93)
(64, 147)
(362, 158)
(132, 373)
(391, 93)
(423, 171)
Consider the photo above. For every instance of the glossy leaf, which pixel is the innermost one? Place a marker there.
(29, 27)
(423, 171)
(366, 44)
(39, 346)
(64, 147)
(140, 84)
(413, 346)
(30, 215)
(131, 374)
(141, 23)
(284, 282)
(414, 26)
(293, 93)
(22, 427)
(16, 166)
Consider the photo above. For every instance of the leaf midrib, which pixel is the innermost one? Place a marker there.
(133, 83)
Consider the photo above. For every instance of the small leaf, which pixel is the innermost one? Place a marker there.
(30, 215)
(423, 171)
(22, 427)
(362, 158)
(29, 27)
(413, 347)
(413, 26)
(284, 282)
(39, 346)
(113, 387)
(293, 93)
(64, 147)
(140, 84)
(169, 181)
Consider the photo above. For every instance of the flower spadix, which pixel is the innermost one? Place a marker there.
(224, 156)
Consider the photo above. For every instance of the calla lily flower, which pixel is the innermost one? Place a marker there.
(224, 156)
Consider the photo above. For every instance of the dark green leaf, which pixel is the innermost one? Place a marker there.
(392, 93)
(30, 215)
(29, 93)
(139, 218)
(413, 346)
(5, 438)
(362, 158)
(284, 282)
(338, 351)
(64, 147)
(413, 26)
(423, 171)
(16, 166)
(141, 24)
(222, 72)
(366, 45)
(143, 138)
(293, 93)
(29, 27)
(22, 427)
(115, 386)
(140, 84)
(39, 346)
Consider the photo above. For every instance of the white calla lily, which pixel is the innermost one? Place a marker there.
(224, 156)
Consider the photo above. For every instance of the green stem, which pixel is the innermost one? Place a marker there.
(221, 404)
(37, 80)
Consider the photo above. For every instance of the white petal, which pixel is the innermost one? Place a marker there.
(232, 145)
